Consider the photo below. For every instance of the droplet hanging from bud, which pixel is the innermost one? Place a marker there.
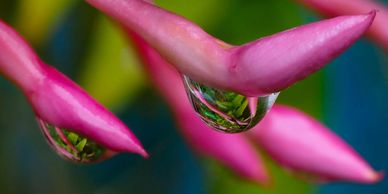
(225, 111)
(73, 146)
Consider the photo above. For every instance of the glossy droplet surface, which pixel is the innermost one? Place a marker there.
(72, 146)
(225, 111)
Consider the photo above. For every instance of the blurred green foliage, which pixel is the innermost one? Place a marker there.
(35, 19)
(112, 72)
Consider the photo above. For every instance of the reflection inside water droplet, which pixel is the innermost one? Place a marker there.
(224, 111)
(72, 146)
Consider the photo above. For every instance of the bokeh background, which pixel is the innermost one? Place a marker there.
(350, 96)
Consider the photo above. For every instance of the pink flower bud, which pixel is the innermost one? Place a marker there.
(59, 101)
(330, 8)
(261, 67)
(301, 143)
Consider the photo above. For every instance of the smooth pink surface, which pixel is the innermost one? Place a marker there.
(58, 100)
(330, 8)
(261, 67)
(301, 143)
(18, 62)
(234, 151)
(282, 59)
(181, 42)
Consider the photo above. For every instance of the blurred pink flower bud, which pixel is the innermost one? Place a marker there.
(301, 143)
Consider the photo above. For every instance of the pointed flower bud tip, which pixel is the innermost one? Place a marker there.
(58, 101)
(378, 31)
(301, 143)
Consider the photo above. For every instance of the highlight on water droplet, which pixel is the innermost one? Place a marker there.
(73, 146)
(225, 111)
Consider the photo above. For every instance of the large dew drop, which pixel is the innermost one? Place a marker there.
(72, 146)
(227, 112)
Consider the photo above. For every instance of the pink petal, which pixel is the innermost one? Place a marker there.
(273, 63)
(301, 143)
(261, 67)
(378, 30)
(18, 61)
(234, 151)
(58, 100)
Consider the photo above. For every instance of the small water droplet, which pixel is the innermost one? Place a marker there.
(225, 111)
(73, 146)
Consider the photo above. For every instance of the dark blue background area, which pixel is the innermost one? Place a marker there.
(357, 109)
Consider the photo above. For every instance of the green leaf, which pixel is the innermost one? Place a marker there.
(73, 138)
(80, 146)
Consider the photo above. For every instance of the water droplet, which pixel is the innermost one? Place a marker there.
(225, 111)
(73, 146)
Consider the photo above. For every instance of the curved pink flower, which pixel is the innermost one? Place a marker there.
(261, 67)
(301, 143)
(292, 138)
(59, 101)
(330, 8)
